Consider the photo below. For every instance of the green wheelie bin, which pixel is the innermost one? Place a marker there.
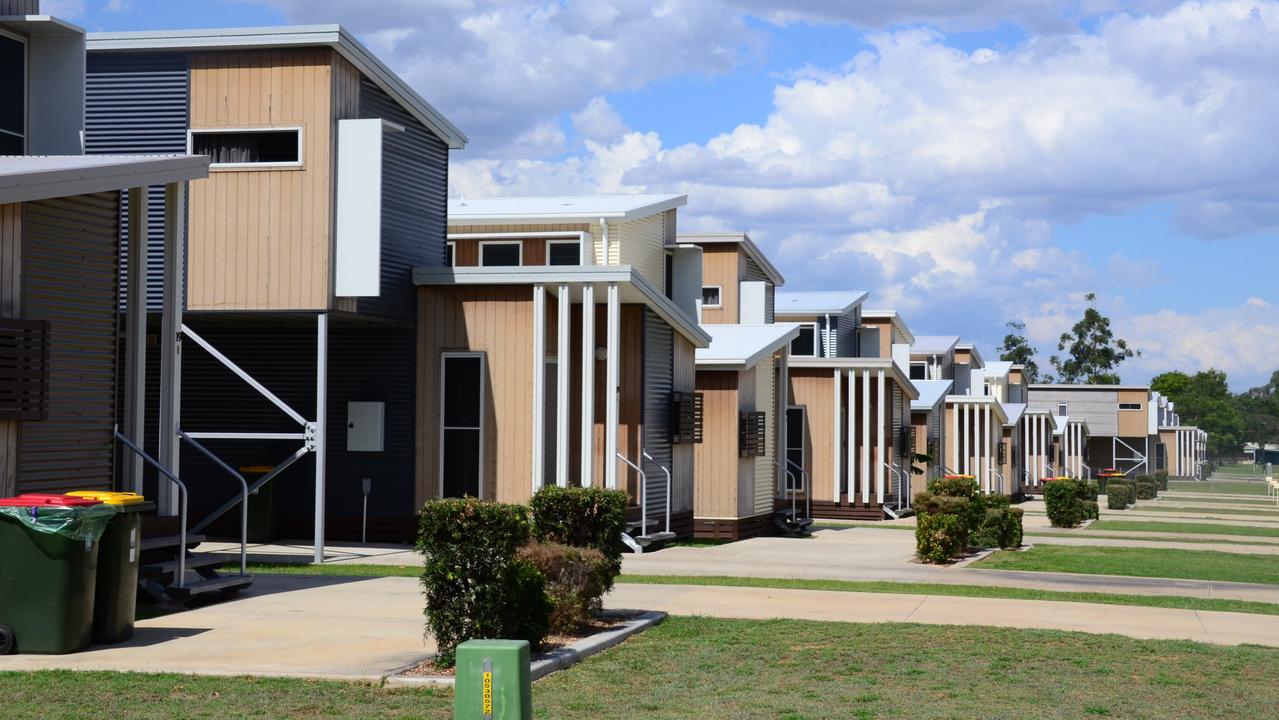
(116, 599)
(48, 567)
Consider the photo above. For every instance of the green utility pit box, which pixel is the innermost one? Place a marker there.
(493, 681)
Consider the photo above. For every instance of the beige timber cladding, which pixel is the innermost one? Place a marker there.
(497, 321)
(717, 462)
(1134, 423)
(814, 390)
(261, 239)
(722, 266)
(10, 307)
(746, 468)
(766, 401)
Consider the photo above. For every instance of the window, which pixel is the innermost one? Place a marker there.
(669, 276)
(501, 254)
(689, 415)
(710, 296)
(249, 148)
(805, 345)
(1062, 409)
(919, 371)
(752, 434)
(1129, 406)
(24, 372)
(13, 96)
(564, 252)
(461, 424)
(794, 447)
(450, 257)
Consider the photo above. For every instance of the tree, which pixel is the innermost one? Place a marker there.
(1259, 407)
(1205, 401)
(1017, 349)
(1094, 351)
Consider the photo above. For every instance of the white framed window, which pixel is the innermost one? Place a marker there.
(806, 343)
(712, 296)
(462, 424)
(256, 148)
(450, 258)
(1063, 409)
(563, 252)
(1130, 406)
(13, 94)
(501, 253)
(919, 370)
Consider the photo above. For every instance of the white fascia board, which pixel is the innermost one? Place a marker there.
(760, 353)
(40, 25)
(127, 172)
(559, 218)
(334, 36)
(885, 364)
(744, 240)
(979, 400)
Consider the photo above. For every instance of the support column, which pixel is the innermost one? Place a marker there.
(1025, 446)
(612, 373)
(865, 472)
(837, 441)
(321, 439)
(588, 386)
(850, 455)
(783, 407)
(879, 437)
(953, 445)
(171, 341)
(985, 446)
(135, 382)
(964, 430)
(562, 367)
(539, 385)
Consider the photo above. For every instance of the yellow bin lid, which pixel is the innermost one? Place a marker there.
(110, 498)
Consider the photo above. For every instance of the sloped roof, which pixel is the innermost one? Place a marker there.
(38, 177)
(1014, 411)
(739, 238)
(998, 368)
(559, 208)
(930, 393)
(899, 324)
(933, 344)
(743, 346)
(835, 302)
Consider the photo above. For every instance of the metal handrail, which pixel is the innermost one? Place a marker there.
(182, 511)
(808, 481)
(999, 475)
(244, 495)
(257, 484)
(1088, 469)
(642, 492)
(898, 476)
(666, 470)
(790, 488)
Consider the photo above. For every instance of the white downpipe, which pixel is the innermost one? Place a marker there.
(539, 385)
(604, 239)
(826, 342)
(588, 385)
(321, 441)
(954, 436)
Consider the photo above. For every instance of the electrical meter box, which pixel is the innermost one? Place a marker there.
(364, 426)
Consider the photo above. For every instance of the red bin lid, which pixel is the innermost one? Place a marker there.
(47, 499)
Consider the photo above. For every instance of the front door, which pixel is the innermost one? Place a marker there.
(795, 423)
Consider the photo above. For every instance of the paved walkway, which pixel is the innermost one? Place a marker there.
(324, 627)
(756, 603)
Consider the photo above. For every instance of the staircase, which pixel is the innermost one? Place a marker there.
(642, 533)
(796, 520)
(202, 579)
(792, 523)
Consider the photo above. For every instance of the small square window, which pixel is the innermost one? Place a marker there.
(500, 254)
(711, 296)
(918, 371)
(1130, 406)
(564, 252)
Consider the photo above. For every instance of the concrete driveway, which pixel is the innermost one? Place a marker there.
(326, 627)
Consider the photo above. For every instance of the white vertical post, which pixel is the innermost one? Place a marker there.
(1035, 473)
(879, 437)
(985, 445)
(783, 405)
(865, 473)
(1025, 445)
(135, 383)
(171, 341)
(561, 385)
(612, 372)
(954, 436)
(588, 385)
(837, 441)
(851, 454)
(321, 441)
(539, 385)
(964, 429)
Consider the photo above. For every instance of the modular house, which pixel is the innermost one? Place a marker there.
(558, 348)
(1122, 430)
(852, 401)
(327, 187)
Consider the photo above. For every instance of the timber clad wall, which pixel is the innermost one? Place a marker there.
(69, 275)
(765, 478)
(722, 265)
(10, 307)
(717, 464)
(685, 381)
(1134, 423)
(812, 388)
(273, 251)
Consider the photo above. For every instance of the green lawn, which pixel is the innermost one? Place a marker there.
(335, 570)
(1179, 527)
(1140, 562)
(1238, 487)
(752, 670)
(1250, 513)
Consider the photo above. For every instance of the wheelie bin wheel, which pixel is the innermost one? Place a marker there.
(6, 640)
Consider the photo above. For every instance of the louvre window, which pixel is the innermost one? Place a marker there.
(248, 147)
(688, 412)
(753, 434)
(24, 369)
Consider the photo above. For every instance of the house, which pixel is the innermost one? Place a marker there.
(852, 401)
(932, 357)
(60, 240)
(558, 347)
(327, 187)
(738, 281)
(1122, 430)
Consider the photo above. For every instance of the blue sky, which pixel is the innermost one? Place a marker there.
(966, 162)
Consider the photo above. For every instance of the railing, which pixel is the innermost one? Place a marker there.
(999, 487)
(666, 470)
(183, 493)
(808, 496)
(898, 476)
(244, 498)
(643, 493)
(1087, 470)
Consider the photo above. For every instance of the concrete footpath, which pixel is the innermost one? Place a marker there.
(1137, 622)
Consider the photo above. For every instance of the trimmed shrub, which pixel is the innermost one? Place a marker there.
(954, 486)
(1090, 490)
(1064, 502)
(1146, 488)
(1091, 510)
(1014, 534)
(475, 585)
(1119, 495)
(582, 518)
(576, 580)
(1161, 479)
(939, 537)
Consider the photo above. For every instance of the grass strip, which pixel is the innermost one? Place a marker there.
(1182, 528)
(1140, 562)
(1224, 487)
(985, 591)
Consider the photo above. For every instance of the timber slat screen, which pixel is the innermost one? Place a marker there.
(754, 434)
(24, 369)
(687, 424)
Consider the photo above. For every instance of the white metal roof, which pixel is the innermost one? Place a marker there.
(1084, 386)
(972, 349)
(38, 177)
(739, 238)
(559, 209)
(933, 344)
(1014, 411)
(998, 368)
(334, 36)
(817, 303)
(743, 346)
(903, 331)
(930, 393)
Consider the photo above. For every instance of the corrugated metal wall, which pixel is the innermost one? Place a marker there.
(659, 383)
(414, 204)
(69, 278)
(137, 103)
